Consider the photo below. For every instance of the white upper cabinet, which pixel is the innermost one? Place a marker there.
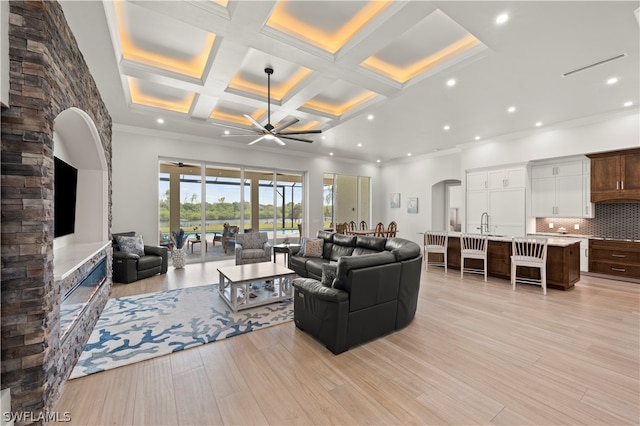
(560, 189)
(506, 178)
(501, 194)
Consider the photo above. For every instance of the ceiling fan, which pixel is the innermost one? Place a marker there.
(268, 131)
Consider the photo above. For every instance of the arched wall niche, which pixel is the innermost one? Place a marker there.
(77, 142)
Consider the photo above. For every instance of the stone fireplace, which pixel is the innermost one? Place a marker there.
(53, 106)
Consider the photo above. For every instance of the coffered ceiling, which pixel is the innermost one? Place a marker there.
(372, 75)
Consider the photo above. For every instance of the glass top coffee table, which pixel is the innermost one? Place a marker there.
(255, 284)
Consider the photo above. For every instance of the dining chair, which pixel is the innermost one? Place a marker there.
(436, 242)
(363, 225)
(351, 227)
(380, 232)
(392, 229)
(473, 246)
(532, 253)
(341, 228)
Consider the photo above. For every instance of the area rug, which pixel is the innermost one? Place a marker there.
(137, 328)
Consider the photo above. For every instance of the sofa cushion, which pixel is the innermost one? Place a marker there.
(371, 243)
(348, 263)
(133, 245)
(313, 247)
(314, 267)
(328, 274)
(343, 245)
(402, 250)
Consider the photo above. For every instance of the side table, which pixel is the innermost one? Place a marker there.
(287, 249)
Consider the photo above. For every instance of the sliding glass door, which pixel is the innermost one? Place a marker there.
(209, 202)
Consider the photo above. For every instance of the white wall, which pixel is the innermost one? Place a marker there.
(414, 177)
(595, 134)
(136, 154)
(135, 173)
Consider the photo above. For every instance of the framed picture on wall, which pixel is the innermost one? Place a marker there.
(395, 200)
(412, 205)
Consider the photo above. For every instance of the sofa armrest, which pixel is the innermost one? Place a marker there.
(314, 288)
(117, 254)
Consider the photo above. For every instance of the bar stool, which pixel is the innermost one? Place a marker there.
(436, 242)
(473, 246)
(532, 253)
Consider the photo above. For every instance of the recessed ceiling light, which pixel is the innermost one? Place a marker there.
(612, 80)
(539, 123)
(477, 138)
(502, 18)
(359, 145)
(447, 127)
(226, 132)
(451, 82)
(370, 117)
(409, 154)
(324, 137)
(628, 103)
(511, 109)
(331, 153)
(377, 161)
(160, 120)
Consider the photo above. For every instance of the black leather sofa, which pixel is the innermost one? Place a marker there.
(128, 267)
(374, 293)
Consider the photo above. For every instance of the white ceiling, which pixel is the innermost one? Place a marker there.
(200, 65)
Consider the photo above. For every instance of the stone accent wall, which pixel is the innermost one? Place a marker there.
(47, 76)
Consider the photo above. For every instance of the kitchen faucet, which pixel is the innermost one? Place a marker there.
(484, 225)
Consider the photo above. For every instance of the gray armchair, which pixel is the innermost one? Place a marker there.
(253, 247)
(129, 266)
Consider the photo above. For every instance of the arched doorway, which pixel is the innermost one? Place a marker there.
(446, 204)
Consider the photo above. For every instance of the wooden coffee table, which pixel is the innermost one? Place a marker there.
(236, 284)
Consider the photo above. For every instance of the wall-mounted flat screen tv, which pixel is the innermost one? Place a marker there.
(64, 199)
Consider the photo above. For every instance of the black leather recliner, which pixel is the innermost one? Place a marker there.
(128, 267)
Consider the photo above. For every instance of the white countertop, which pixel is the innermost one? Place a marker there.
(69, 258)
(558, 242)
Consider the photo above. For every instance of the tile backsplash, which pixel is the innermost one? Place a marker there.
(614, 220)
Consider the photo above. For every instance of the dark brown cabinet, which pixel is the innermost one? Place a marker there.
(615, 176)
(618, 258)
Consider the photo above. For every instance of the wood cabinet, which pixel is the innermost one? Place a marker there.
(612, 257)
(615, 176)
(563, 262)
(561, 189)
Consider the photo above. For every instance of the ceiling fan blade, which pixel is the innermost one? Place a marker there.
(301, 132)
(279, 141)
(255, 123)
(296, 139)
(253, 133)
(285, 125)
(257, 140)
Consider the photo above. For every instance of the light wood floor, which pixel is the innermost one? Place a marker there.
(476, 353)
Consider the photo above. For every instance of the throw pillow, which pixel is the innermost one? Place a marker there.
(133, 245)
(313, 248)
(328, 274)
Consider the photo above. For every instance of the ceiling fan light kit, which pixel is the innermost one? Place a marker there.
(269, 131)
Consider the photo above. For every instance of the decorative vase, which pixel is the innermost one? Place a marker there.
(178, 257)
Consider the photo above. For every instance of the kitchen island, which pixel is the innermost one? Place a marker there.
(563, 260)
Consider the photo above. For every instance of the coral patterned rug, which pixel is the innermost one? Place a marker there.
(137, 328)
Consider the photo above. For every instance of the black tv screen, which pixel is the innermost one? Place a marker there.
(64, 199)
